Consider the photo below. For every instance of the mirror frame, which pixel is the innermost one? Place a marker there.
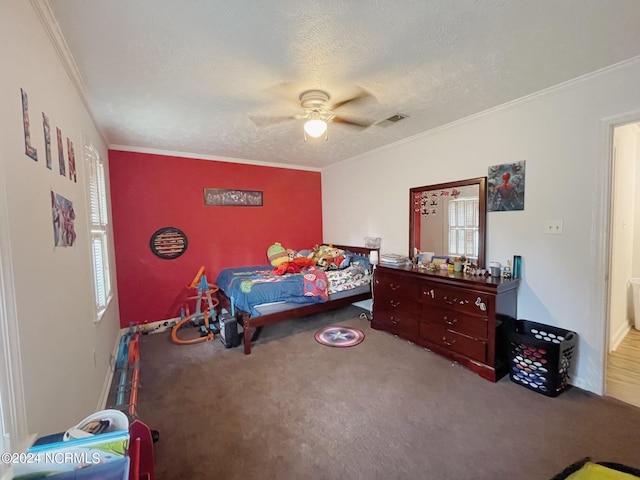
(482, 214)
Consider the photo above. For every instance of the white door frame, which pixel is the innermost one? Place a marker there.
(13, 419)
(601, 247)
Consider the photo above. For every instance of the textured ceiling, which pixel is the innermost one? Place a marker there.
(192, 76)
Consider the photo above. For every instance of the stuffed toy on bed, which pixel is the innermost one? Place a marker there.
(328, 257)
(294, 266)
(277, 254)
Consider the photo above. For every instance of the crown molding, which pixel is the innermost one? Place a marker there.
(51, 27)
(215, 158)
(527, 98)
(50, 24)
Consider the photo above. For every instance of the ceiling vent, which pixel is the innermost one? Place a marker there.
(391, 120)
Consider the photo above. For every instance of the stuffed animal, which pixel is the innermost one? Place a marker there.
(277, 254)
(313, 252)
(329, 258)
(294, 266)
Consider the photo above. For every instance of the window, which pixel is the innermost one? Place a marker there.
(98, 224)
(463, 227)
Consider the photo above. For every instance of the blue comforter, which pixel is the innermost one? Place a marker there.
(247, 287)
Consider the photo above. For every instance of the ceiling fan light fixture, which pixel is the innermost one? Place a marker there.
(315, 127)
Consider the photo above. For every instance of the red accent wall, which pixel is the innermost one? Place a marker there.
(149, 192)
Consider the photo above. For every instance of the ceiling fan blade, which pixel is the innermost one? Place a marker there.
(355, 123)
(266, 121)
(361, 96)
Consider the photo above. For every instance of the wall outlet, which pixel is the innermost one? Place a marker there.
(554, 227)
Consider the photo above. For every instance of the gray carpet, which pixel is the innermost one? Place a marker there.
(385, 409)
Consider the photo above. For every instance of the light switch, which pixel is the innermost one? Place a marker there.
(553, 227)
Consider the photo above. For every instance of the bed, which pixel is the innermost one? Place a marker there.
(269, 300)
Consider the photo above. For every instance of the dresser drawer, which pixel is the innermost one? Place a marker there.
(400, 315)
(384, 322)
(467, 346)
(471, 325)
(390, 286)
(397, 305)
(397, 324)
(461, 300)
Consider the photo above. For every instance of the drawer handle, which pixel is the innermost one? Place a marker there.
(394, 287)
(394, 321)
(450, 302)
(448, 342)
(394, 304)
(430, 293)
(450, 322)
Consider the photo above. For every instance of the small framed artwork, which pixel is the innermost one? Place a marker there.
(168, 243)
(505, 187)
(232, 198)
(64, 232)
(439, 259)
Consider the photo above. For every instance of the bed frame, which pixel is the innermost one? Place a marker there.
(252, 326)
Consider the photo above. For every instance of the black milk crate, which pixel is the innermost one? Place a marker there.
(540, 356)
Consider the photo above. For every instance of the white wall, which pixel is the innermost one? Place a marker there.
(622, 232)
(562, 135)
(54, 292)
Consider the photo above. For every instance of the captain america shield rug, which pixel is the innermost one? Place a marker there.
(338, 336)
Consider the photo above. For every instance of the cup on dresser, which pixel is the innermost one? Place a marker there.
(494, 269)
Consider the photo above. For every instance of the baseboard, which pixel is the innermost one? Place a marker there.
(618, 336)
(146, 328)
(108, 381)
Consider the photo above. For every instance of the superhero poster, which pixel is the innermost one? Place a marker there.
(505, 187)
(64, 233)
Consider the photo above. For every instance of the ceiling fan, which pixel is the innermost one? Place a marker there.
(318, 113)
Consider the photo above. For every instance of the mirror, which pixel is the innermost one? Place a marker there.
(449, 219)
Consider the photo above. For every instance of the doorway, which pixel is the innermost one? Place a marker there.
(622, 372)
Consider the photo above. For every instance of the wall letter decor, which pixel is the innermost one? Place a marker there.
(72, 160)
(63, 170)
(47, 139)
(28, 149)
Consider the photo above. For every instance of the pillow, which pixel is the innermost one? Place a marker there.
(356, 259)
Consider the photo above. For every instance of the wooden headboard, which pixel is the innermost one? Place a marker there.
(364, 251)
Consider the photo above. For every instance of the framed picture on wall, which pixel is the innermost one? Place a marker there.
(232, 198)
(505, 187)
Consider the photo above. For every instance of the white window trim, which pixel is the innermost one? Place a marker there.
(98, 229)
(449, 228)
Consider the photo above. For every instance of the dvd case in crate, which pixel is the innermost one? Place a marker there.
(95, 448)
(540, 355)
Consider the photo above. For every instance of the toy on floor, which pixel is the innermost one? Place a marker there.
(205, 313)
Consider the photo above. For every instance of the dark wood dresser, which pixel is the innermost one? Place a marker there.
(453, 314)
